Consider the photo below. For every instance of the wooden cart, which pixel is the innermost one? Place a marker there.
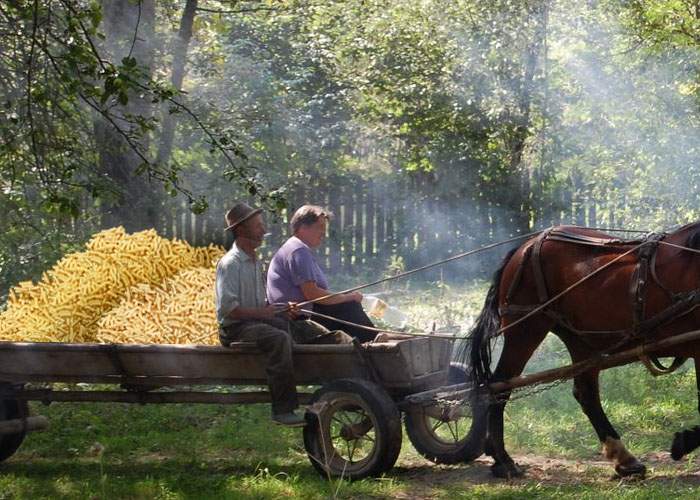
(353, 420)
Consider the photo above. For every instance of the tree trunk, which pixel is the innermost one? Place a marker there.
(181, 44)
(520, 202)
(129, 30)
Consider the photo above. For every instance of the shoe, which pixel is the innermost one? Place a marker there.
(290, 419)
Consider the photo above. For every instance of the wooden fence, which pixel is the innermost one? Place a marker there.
(373, 222)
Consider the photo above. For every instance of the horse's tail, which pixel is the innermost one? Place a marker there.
(487, 324)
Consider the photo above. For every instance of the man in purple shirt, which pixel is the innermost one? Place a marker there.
(295, 276)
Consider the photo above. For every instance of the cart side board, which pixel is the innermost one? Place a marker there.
(401, 366)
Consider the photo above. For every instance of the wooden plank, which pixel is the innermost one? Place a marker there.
(198, 397)
(335, 228)
(369, 222)
(602, 362)
(358, 222)
(347, 231)
(198, 236)
(188, 235)
(29, 424)
(204, 365)
(381, 224)
(167, 231)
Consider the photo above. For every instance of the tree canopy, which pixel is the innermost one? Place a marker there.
(488, 117)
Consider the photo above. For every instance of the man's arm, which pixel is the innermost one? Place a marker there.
(311, 291)
(240, 313)
(301, 264)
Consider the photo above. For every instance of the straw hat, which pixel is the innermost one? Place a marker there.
(239, 214)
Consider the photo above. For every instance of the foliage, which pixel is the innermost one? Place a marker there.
(512, 114)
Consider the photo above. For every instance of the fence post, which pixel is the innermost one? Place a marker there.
(335, 230)
(360, 196)
(188, 235)
(168, 221)
(369, 223)
(349, 208)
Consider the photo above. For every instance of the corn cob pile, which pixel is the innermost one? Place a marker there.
(180, 311)
(68, 301)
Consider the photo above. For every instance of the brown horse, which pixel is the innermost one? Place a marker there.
(646, 295)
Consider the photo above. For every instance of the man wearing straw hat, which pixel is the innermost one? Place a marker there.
(244, 315)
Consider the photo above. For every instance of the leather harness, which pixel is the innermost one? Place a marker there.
(645, 271)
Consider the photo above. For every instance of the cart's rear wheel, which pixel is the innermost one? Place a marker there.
(354, 430)
(442, 433)
(11, 409)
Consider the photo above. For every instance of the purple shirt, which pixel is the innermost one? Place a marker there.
(293, 264)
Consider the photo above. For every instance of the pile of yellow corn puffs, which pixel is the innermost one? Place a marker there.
(179, 311)
(70, 300)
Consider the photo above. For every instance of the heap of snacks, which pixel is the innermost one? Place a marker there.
(180, 311)
(70, 299)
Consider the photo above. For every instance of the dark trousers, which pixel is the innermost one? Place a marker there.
(348, 311)
(270, 337)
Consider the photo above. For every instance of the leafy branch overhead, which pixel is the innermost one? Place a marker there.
(488, 117)
(66, 71)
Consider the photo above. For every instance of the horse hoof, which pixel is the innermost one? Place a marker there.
(684, 442)
(678, 446)
(635, 468)
(506, 470)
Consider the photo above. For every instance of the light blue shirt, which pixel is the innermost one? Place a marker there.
(239, 283)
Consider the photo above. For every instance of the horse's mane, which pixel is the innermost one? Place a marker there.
(693, 240)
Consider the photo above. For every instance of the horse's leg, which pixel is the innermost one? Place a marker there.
(587, 393)
(687, 440)
(519, 345)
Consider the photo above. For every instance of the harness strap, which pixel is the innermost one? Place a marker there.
(683, 304)
(655, 277)
(582, 239)
(537, 266)
(518, 275)
(640, 279)
(656, 368)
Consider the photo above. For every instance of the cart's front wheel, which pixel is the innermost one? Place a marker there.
(441, 434)
(11, 409)
(354, 430)
(447, 434)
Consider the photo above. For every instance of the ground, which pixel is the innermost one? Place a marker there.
(178, 451)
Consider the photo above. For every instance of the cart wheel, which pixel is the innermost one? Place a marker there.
(444, 434)
(10, 409)
(353, 430)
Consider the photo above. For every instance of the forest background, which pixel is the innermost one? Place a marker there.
(429, 127)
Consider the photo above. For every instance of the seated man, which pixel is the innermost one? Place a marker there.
(295, 276)
(243, 314)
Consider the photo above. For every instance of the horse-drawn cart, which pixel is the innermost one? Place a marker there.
(354, 418)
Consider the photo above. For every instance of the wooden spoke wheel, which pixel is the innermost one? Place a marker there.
(447, 434)
(441, 434)
(11, 409)
(354, 430)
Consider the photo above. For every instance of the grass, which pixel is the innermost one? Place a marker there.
(208, 451)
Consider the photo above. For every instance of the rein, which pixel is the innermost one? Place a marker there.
(453, 258)
(423, 268)
(681, 303)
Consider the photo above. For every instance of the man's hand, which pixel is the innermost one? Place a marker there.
(355, 296)
(269, 312)
(289, 310)
(292, 311)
